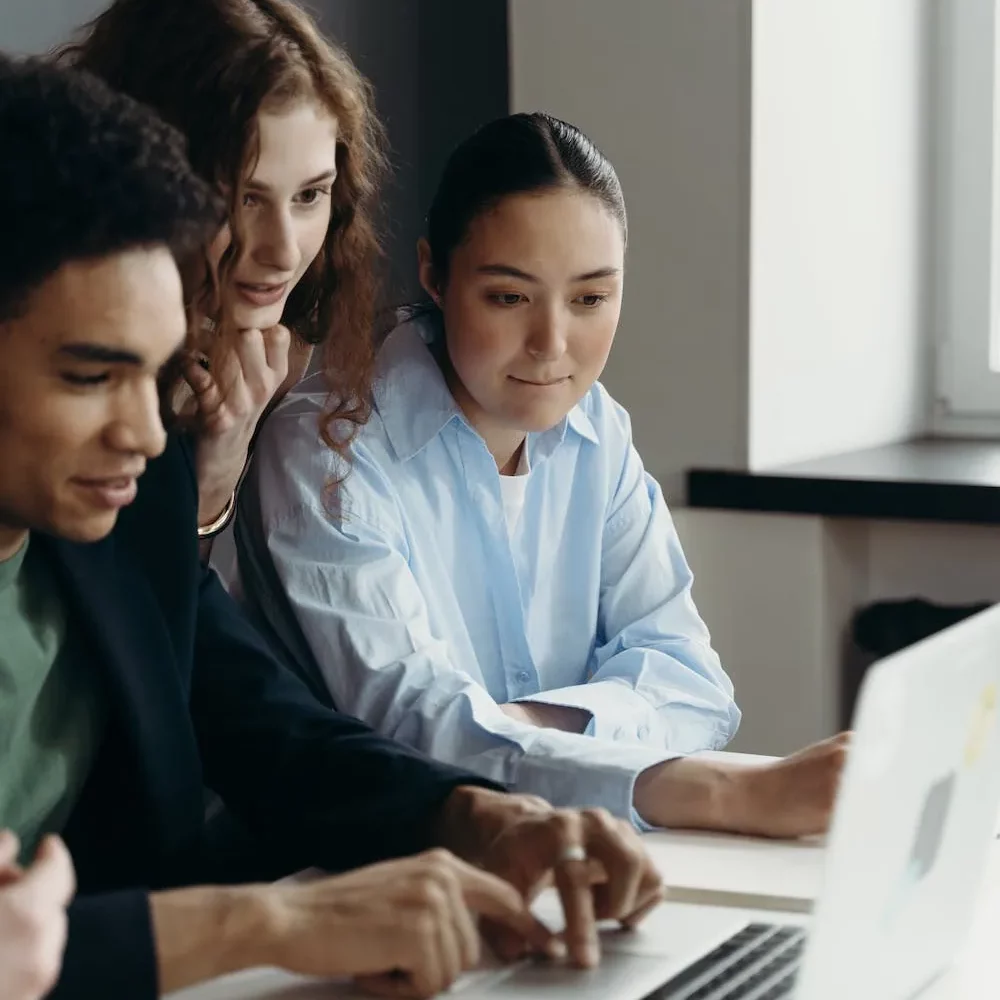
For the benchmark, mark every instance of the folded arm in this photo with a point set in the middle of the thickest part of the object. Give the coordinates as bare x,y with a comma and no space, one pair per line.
655,678
366,622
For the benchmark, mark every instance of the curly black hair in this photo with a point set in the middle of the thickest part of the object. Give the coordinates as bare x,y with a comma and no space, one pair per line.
86,172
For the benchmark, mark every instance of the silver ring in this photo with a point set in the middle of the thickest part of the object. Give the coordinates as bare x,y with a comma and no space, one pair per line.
572,853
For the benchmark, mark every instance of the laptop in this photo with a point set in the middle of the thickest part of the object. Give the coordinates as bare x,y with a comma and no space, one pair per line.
913,827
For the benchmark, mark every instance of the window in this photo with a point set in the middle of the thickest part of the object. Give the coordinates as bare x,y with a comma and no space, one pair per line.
966,248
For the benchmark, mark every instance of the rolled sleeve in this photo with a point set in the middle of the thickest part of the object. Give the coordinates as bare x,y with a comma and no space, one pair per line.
655,680
655,676
110,950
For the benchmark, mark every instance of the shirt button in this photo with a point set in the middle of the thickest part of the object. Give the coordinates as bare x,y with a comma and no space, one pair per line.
524,677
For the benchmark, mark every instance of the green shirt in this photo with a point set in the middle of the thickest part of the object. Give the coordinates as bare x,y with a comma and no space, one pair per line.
51,710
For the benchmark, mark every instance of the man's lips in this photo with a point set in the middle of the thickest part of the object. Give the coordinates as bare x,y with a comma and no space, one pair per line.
112,492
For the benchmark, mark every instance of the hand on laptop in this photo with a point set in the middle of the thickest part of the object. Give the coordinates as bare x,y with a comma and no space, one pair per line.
400,928
792,797
599,865
32,917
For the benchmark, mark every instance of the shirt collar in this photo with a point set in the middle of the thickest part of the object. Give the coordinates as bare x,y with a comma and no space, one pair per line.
408,371
580,421
10,568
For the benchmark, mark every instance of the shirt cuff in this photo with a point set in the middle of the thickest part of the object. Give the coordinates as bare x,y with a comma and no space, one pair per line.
637,821
633,815
620,714
640,824
586,773
616,711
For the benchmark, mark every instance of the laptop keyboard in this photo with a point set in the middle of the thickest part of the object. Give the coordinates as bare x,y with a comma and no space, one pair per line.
757,963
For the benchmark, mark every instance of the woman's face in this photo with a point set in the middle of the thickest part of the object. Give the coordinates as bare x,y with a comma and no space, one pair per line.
531,306
284,211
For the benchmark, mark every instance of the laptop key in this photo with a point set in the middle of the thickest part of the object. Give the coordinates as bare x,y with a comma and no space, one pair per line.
715,959
759,960
777,970
781,990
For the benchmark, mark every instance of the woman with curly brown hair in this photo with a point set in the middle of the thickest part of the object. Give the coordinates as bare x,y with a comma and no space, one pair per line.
280,120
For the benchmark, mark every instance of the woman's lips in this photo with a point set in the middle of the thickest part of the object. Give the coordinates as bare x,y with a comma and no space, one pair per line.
540,383
261,295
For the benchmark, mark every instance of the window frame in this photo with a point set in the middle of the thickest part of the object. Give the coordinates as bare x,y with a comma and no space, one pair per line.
965,253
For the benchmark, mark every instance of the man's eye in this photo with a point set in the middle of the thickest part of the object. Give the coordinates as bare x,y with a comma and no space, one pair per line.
84,380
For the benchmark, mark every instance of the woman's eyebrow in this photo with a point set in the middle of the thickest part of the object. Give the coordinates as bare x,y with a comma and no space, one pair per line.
506,271
327,175
601,272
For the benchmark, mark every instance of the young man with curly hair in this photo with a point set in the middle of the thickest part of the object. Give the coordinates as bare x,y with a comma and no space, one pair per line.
129,681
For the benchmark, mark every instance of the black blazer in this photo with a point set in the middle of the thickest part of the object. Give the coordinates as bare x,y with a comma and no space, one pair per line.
196,699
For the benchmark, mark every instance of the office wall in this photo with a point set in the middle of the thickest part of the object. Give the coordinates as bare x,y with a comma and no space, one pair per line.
840,217
777,593
663,88
30,26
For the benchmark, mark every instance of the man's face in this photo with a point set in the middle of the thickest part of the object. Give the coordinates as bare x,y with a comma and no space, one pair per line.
79,409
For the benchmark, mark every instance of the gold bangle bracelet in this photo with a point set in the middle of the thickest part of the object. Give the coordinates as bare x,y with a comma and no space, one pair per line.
209,530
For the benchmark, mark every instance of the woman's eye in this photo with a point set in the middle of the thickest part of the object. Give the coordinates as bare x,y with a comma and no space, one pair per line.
592,300
249,200
311,196
507,298
84,380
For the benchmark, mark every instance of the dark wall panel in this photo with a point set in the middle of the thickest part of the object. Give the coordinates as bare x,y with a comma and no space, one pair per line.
439,68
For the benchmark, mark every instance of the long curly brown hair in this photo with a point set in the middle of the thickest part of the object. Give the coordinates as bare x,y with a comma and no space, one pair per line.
207,67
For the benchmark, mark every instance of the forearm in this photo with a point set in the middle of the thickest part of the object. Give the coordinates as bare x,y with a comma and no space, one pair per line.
212,503
791,797
546,716
216,507
472,818
209,931
702,794
686,793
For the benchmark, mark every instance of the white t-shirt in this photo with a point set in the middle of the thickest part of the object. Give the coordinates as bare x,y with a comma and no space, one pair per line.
512,489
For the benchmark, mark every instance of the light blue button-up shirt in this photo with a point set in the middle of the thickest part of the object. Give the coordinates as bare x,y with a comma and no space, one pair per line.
421,613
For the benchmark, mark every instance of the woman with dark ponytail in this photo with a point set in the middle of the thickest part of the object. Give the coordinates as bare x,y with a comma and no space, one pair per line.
497,581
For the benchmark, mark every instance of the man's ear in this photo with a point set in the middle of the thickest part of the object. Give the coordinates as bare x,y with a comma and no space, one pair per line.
427,271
